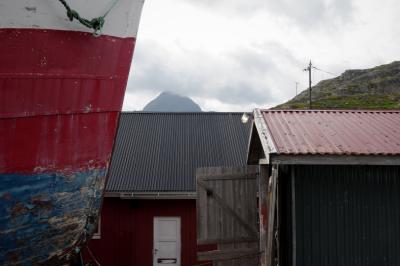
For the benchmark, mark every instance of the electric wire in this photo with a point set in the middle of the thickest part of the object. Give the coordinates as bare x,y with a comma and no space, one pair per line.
316,68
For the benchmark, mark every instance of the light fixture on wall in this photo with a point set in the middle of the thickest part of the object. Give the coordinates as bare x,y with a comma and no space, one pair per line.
245,118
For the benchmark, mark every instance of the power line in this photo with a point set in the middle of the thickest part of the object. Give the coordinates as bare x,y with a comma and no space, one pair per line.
316,68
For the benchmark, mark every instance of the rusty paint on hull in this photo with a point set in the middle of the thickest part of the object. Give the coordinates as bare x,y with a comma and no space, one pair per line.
43,215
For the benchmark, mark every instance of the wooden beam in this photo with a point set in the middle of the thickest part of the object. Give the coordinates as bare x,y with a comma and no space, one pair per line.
201,208
271,216
226,171
263,211
263,133
111,194
226,240
336,159
227,176
151,195
226,254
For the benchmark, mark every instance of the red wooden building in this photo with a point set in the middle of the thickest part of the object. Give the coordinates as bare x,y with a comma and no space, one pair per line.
149,210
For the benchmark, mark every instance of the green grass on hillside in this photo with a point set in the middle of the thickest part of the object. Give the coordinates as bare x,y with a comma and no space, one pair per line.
357,101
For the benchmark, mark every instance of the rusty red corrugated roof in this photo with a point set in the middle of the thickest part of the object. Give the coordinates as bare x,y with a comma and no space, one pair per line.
336,132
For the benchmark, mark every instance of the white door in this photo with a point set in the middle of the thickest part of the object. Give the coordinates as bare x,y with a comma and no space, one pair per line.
167,241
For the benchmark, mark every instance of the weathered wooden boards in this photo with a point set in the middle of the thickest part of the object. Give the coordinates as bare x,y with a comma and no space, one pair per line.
272,230
227,214
263,210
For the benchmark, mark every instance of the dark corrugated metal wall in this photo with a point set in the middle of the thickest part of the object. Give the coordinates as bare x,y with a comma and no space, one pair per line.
285,215
345,215
127,231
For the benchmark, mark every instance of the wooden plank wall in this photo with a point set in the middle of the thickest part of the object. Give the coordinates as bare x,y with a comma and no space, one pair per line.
227,214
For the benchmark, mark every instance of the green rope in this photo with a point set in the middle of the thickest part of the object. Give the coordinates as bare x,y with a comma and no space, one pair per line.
96,23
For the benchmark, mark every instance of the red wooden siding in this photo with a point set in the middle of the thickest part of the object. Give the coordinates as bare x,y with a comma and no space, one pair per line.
127,231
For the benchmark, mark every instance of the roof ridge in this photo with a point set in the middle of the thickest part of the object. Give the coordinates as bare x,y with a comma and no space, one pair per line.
330,111
183,113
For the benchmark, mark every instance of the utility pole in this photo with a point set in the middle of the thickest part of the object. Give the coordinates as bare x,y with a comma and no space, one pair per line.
296,87
310,66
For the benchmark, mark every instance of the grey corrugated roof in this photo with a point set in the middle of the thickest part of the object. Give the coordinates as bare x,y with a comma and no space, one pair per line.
161,151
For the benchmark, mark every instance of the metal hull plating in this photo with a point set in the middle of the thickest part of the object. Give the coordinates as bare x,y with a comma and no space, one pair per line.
43,208
52,174
61,91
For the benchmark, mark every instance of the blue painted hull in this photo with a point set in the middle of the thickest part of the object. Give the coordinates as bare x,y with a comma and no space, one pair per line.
45,215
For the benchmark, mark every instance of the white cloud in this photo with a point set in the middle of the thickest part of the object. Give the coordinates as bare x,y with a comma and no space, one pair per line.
137,100
209,104
231,55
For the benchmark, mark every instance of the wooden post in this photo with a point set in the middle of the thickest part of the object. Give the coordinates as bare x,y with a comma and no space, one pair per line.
263,211
272,193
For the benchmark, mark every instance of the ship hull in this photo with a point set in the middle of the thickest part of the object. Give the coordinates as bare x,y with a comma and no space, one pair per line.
43,223
61,91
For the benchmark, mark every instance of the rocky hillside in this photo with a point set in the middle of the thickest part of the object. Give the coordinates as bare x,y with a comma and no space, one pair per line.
171,102
374,88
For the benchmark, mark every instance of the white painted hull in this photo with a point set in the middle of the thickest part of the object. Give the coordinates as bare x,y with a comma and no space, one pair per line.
121,21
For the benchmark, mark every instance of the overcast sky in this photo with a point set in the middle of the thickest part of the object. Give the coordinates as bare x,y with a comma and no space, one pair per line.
235,55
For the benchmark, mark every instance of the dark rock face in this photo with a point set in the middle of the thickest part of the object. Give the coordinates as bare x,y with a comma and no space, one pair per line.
170,102
374,88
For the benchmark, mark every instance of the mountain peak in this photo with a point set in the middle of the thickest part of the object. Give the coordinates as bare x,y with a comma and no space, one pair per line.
168,101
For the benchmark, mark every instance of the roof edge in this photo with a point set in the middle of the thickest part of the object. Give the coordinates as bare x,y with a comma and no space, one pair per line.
264,134
185,113
307,159
152,195
332,110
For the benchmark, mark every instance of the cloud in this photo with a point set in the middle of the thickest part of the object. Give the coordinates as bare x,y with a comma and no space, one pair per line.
233,79
249,75
239,54
313,14
308,14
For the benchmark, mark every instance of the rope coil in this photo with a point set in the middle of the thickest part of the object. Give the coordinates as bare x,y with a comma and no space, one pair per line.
96,24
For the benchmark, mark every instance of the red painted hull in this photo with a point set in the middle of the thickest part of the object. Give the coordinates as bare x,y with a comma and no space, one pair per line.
56,142
53,72
60,97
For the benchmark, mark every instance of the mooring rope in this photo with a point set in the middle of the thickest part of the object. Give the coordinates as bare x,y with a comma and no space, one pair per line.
96,23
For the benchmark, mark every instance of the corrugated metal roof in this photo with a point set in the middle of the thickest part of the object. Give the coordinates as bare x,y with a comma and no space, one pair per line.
335,132
161,151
